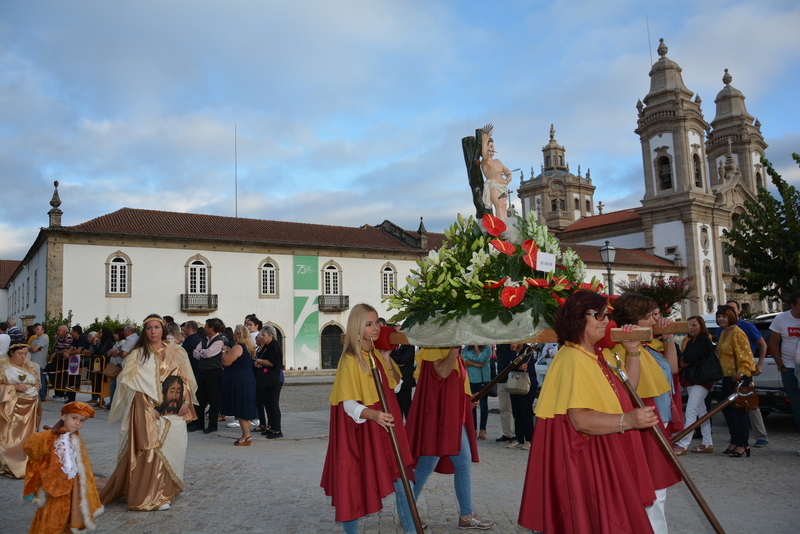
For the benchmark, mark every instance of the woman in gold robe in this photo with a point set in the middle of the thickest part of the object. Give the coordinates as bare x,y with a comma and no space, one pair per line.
154,399
20,408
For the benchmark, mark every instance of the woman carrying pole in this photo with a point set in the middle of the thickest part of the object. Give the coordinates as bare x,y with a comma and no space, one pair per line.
360,467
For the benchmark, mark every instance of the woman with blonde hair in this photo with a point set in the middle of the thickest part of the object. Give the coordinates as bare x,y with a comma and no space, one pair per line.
239,383
360,468
20,408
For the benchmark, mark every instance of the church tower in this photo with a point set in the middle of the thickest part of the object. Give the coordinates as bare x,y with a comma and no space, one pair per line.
735,145
558,196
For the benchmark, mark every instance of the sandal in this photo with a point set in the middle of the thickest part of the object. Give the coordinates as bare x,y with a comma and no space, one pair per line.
245,443
259,428
679,451
703,448
729,450
482,435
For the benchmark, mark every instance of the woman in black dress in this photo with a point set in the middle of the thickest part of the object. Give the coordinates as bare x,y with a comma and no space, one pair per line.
238,382
269,382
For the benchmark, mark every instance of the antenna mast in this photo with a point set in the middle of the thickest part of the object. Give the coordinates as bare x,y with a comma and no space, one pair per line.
649,43
235,174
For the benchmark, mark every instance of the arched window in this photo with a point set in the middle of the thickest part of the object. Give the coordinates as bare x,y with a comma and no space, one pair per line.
268,279
331,283
198,277
118,275
577,204
560,161
664,173
547,161
698,173
562,204
759,181
554,205
588,207
388,279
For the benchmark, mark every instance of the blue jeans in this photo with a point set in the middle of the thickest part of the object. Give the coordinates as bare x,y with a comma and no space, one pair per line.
790,385
475,387
462,479
403,511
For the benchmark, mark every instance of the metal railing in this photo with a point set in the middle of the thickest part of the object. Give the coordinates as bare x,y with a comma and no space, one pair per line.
198,302
334,302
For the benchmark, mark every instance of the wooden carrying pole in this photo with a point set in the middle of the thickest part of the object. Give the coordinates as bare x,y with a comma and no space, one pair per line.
711,413
398,456
670,452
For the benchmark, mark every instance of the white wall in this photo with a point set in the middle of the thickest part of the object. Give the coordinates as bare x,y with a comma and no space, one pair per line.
634,240
158,278
670,234
36,271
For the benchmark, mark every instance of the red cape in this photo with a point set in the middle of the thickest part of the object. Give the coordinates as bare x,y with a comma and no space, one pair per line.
662,471
360,468
581,483
434,422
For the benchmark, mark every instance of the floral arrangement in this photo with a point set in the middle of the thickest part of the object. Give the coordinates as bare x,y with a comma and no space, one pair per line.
668,293
488,269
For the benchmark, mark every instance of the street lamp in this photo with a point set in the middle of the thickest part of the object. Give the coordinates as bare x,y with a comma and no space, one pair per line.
608,254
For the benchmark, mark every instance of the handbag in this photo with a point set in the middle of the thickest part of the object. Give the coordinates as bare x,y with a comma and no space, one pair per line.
750,402
111,370
705,371
519,383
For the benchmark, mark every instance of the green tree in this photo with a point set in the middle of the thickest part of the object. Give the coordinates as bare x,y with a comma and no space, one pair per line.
765,240
667,292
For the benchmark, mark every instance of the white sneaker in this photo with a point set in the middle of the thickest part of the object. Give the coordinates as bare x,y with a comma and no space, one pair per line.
163,507
233,424
514,444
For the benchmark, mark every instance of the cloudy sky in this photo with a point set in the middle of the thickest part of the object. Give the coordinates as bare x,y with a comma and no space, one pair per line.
352,112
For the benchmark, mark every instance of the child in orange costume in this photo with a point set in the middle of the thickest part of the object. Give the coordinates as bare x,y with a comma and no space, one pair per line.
59,477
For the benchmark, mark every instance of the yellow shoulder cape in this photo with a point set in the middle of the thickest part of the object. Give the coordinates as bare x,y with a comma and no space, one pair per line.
652,381
575,380
352,383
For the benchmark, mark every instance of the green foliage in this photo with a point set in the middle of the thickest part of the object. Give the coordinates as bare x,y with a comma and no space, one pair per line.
765,240
113,324
667,292
51,324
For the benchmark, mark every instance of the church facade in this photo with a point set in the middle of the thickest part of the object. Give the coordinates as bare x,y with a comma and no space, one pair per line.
697,176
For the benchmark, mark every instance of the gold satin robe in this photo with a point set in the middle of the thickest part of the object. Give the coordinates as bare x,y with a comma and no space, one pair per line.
20,415
152,449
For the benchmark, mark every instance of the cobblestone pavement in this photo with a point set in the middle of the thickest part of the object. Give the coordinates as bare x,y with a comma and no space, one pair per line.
273,486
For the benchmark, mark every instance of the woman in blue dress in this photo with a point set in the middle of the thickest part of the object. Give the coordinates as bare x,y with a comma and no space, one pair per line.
238,382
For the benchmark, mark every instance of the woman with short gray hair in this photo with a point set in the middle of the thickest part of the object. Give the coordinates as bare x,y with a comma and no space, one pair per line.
269,381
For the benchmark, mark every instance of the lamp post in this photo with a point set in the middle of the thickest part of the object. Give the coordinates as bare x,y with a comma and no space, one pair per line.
608,254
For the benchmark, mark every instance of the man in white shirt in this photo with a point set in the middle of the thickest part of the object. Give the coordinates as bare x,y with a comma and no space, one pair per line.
5,339
783,347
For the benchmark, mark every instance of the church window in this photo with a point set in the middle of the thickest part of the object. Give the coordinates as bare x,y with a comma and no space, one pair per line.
726,259
577,204
268,278
331,280
547,161
698,173
118,275
588,206
554,205
759,181
560,161
562,204
388,277
664,173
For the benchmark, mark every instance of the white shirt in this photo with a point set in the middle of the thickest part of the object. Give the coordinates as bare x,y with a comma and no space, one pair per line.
5,342
788,327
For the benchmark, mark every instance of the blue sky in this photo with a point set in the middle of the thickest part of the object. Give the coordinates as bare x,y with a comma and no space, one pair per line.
352,112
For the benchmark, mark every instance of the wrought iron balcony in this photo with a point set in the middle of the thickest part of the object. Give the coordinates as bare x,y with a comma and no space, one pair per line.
334,303
198,302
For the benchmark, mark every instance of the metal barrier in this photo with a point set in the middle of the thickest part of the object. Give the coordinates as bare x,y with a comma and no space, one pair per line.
89,378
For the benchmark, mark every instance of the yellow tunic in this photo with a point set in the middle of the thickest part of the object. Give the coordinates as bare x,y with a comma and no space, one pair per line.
434,355
652,381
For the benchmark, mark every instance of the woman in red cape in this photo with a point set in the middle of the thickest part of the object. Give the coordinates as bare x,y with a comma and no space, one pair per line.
441,428
587,472
360,467
658,365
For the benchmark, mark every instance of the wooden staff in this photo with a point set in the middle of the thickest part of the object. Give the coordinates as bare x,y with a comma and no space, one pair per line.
711,413
398,456
670,452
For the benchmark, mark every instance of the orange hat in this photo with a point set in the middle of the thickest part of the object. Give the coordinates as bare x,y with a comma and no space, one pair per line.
80,408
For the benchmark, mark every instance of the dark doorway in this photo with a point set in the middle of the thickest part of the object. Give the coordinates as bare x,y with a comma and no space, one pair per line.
331,346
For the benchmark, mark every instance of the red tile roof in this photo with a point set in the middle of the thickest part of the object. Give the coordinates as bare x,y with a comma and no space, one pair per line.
7,268
602,220
151,223
626,256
